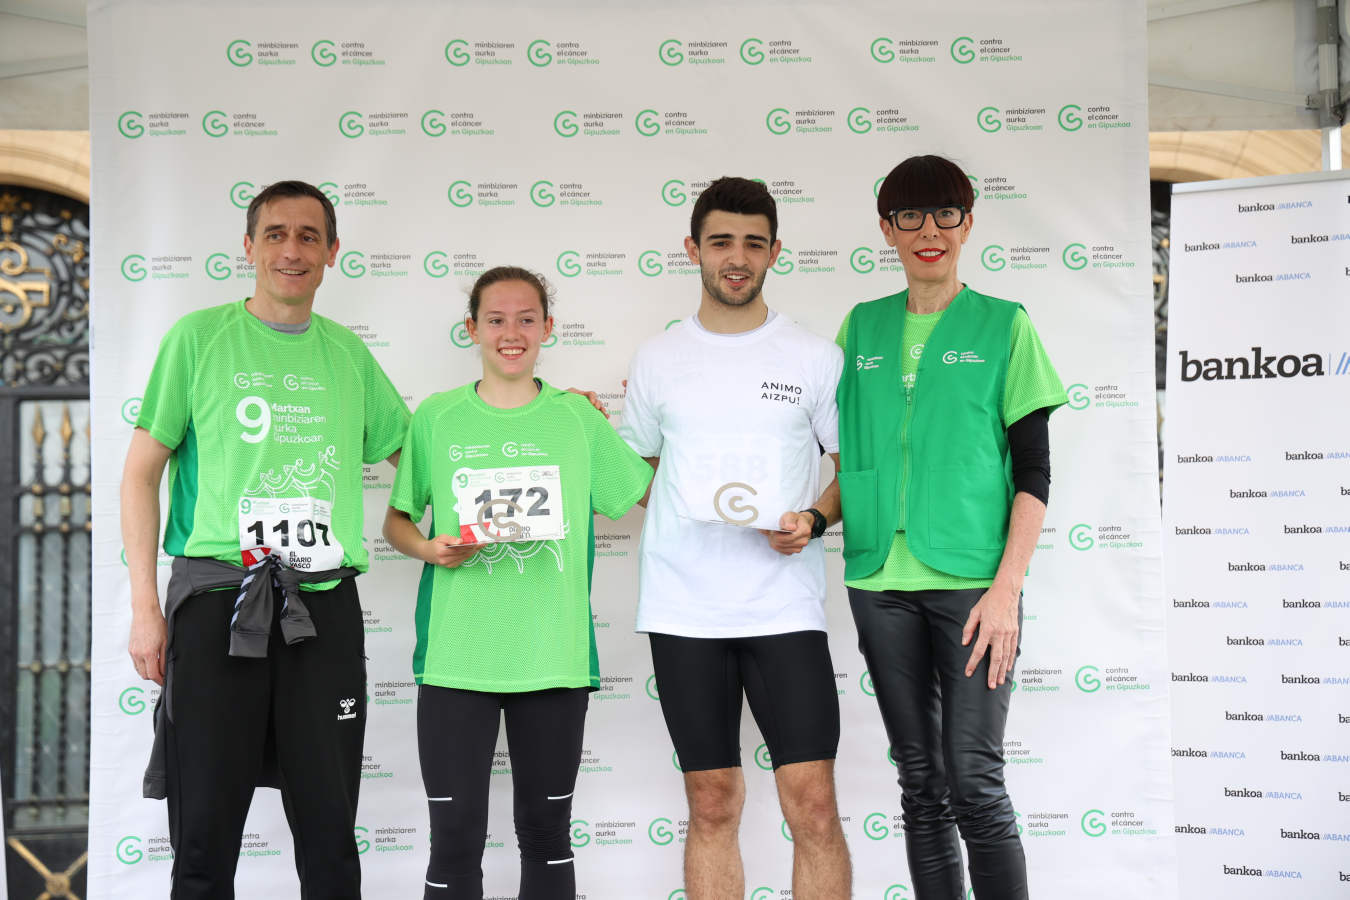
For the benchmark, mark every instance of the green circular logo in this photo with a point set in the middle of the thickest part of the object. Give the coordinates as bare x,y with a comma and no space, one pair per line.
330,190
434,264
653,693
896,892
672,192
1079,397
882,50
353,264
460,337
675,761
241,193
1073,257
649,263
671,52
541,193
647,123
1086,679
539,53
1080,537
565,123
778,121
460,193
239,53
860,260
350,125
552,339
1092,823
362,842
876,186
992,258
875,827
659,833
963,50
128,850
218,266
865,683
215,123
131,410
580,835
1069,119
569,264
322,53
762,758
130,125
457,52
132,270
672,323
786,832
890,758
678,894
988,119
974,185
784,265
762,893
432,123
860,120
752,52
132,701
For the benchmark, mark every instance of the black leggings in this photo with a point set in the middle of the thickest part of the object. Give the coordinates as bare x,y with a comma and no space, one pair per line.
946,733
456,735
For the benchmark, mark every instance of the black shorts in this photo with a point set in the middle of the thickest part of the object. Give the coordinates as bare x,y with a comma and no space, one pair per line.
788,679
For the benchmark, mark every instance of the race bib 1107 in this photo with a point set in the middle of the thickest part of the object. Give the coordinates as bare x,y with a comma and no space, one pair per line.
299,530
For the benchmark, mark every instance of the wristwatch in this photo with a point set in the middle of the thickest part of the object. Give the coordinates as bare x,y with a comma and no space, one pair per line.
819,524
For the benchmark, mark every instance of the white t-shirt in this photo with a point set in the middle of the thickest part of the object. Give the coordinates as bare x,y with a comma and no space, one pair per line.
730,410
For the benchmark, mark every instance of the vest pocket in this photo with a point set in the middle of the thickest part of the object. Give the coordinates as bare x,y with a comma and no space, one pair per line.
966,510
858,495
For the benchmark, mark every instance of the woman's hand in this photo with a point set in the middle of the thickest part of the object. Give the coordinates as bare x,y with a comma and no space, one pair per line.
448,550
995,617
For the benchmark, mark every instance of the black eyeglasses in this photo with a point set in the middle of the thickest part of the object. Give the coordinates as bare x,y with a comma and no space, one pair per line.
911,218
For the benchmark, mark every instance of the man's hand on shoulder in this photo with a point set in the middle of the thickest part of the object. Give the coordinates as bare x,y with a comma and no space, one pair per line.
593,397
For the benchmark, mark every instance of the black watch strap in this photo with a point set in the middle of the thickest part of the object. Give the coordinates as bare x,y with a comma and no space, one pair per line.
819,523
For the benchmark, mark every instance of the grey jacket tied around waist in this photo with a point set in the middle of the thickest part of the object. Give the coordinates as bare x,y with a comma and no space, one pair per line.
250,628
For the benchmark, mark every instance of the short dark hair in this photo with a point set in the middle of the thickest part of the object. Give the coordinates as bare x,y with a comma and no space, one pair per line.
734,195
292,189
925,181
507,273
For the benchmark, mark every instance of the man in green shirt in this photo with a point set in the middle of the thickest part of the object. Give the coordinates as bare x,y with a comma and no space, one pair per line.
264,413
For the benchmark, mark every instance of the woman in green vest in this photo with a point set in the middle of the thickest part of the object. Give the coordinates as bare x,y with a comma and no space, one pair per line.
945,473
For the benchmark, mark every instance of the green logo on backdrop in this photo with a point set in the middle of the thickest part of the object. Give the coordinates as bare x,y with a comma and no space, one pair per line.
974,185
330,190
131,410
963,50
784,265
581,836
241,193
132,701
132,270
875,826
565,123
752,52
890,757
350,124
539,53
1069,119
434,264
362,842
988,119
130,125
215,123
675,761
671,52
128,850
459,193
569,264
865,682
457,52
459,336
992,258
1080,537
541,193
678,894
239,53
785,831
896,892
653,693
659,833
432,123
218,266
882,51
860,260
1073,257
1092,823
672,192
762,758
647,123
876,186
762,893
1086,679
1079,397
777,121
353,264
860,120
649,263
322,53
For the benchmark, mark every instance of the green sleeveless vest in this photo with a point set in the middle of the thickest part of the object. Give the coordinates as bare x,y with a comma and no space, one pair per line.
937,467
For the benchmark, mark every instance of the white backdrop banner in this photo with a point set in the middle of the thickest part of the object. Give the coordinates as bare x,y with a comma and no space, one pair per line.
1257,516
574,141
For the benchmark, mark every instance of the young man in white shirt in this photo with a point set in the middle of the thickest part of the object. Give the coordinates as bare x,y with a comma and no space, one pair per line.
733,407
